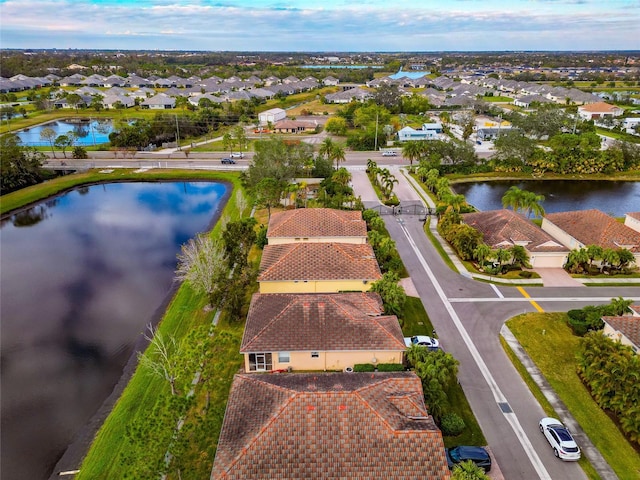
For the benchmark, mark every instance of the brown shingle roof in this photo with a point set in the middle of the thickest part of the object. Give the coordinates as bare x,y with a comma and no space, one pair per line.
325,322
592,227
629,326
505,227
330,426
317,222
318,261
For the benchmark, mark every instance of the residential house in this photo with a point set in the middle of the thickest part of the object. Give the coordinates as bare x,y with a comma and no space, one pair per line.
346,96
505,229
317,268
597,110
159,102
272,116
317,225
625,328
328,425
581,228
310,331
428,131
525,101
330,81
294,126
632,220
113,101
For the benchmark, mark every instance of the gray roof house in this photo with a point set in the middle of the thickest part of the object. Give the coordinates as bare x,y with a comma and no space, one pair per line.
159,102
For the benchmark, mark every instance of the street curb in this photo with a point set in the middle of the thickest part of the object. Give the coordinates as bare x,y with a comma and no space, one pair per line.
588,449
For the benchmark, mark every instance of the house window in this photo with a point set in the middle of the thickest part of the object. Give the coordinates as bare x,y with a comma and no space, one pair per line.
315,354
284,357
260,362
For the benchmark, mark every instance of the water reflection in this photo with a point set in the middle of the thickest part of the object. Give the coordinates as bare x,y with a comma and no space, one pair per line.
613,198
81,276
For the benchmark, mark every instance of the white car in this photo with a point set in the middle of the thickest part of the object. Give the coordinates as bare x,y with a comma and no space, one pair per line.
423,341
389,153
558,436
237,155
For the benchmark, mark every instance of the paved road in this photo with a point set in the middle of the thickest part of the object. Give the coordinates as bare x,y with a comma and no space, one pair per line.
467,316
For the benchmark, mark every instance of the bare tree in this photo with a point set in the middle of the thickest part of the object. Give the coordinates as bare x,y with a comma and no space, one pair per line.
49,135
161,358
202,264
241,202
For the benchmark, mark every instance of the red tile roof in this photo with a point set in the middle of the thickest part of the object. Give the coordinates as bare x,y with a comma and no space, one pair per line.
598,107
317,222
628,325
320,322
592,227
330,426
504,228
318,261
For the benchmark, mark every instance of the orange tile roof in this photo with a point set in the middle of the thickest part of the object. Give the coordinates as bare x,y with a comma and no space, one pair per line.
598,107
318,261
592,227
317,222
320,322
500,227
330,426
629,326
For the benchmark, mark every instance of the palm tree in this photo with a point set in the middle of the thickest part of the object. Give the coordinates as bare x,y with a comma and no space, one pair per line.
501,255
519,256
338,155
594,252
412,150
481,253
388,185
431,179
326,148
576,260
341,176
611,257
512,198
531,203
456,202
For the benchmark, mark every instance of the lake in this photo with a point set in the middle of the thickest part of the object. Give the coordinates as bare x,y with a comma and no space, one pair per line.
613,198
82,275
87,131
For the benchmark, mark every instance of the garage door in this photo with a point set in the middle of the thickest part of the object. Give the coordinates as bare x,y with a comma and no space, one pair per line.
547,262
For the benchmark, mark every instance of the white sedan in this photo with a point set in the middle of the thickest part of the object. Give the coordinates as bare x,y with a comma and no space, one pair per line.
558,436
423,341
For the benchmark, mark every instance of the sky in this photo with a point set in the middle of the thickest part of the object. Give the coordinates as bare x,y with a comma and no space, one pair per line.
322,25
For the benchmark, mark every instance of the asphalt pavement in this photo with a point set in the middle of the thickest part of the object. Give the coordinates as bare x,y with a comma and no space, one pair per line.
468,316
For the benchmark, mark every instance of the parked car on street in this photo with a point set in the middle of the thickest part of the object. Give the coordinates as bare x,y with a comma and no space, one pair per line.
477,455
560,439
228,160
423,341
237,155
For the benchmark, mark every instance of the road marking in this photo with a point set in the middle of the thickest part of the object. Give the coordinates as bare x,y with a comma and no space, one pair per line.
533,302
591,300
495,390
498,292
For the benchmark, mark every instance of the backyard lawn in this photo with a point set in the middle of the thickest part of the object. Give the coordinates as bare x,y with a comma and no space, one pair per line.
550,343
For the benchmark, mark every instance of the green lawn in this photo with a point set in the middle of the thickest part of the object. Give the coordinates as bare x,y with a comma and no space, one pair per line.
416,322
550,343
494,99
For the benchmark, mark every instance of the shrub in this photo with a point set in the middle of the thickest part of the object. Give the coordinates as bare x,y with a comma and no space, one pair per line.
261,237
364,367
525,274
452,425
390,367
79,152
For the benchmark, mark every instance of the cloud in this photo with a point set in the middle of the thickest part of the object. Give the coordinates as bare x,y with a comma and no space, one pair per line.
336,25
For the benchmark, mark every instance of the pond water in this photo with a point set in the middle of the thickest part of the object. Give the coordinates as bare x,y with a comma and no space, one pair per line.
82,275
613,198
87,131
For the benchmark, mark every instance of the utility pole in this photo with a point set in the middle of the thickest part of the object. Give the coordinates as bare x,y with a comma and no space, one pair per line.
376,139
177,133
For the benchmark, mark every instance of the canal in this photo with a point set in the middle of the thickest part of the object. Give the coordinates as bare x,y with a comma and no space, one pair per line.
81,276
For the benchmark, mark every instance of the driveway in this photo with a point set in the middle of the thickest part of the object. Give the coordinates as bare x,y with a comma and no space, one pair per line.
557,277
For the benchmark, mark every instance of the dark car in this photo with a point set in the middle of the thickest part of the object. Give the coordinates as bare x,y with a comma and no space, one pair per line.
477,455
228,160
